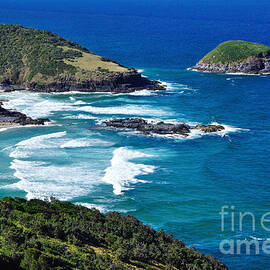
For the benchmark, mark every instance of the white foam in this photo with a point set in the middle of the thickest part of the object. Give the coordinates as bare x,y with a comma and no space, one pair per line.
228,129
25,148
247,74
229,73
38,141
3,129
126,110
19,100
258,238
144,92
194,134
46,108
80,102
33,104
167,85
77,143
68,93
36,106
29,147
172,87
122,173
26,126
105,208
141,71
95,206
18,153
80,116
42,180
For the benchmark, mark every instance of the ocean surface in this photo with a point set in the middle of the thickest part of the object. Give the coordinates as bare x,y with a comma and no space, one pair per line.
176,184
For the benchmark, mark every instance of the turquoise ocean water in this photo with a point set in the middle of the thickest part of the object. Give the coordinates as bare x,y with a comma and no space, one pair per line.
172,183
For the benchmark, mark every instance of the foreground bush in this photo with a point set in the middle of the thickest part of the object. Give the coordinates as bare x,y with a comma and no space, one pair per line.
59,235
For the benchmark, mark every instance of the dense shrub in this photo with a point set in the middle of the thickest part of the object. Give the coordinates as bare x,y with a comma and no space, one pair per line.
59,235
40,51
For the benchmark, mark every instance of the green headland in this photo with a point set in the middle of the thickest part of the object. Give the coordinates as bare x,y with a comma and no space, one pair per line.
59,235
234,51
42,60
236,56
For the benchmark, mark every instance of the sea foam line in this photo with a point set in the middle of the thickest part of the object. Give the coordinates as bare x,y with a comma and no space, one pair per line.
36,107
80,116
83,142
125,110
42,180
56,140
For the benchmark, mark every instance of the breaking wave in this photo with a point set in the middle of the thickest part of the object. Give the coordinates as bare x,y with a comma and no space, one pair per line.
122,173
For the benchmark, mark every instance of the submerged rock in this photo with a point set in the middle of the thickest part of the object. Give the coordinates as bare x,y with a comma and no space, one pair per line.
150,127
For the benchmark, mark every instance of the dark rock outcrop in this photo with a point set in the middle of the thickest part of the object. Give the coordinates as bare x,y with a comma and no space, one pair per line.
209,128
253,65
148,127
115,82
12,118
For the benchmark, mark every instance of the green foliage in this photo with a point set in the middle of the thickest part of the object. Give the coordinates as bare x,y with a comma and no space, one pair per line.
234,51
59,235
35,52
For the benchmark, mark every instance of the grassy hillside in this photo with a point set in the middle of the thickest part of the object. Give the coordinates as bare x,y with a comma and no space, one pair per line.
234,51
30,55
59,235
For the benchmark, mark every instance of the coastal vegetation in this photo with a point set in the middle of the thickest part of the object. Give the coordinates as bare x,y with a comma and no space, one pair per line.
37,55
58,235
236,56
234,51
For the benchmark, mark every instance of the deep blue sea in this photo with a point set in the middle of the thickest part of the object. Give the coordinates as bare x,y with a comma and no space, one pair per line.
176,184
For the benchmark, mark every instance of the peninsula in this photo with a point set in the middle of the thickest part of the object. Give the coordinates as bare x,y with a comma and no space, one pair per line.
60,235
42,61
236,56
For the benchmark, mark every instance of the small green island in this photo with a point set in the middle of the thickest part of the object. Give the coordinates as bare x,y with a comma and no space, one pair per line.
236,56
58,235
40,60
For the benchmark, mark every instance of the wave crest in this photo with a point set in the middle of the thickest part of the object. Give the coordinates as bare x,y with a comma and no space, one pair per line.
122,173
